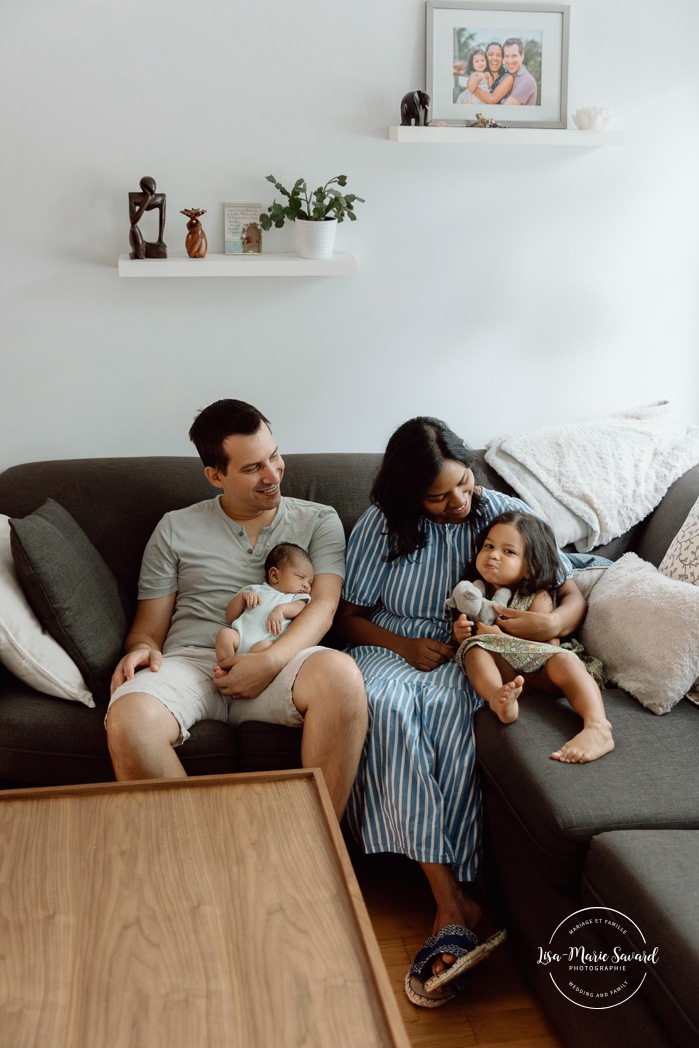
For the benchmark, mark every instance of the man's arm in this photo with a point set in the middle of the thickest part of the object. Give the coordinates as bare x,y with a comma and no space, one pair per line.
144,641
251,673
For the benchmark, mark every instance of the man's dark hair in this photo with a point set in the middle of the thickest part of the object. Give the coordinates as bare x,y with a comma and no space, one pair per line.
511,42
284,553
412,462
222,419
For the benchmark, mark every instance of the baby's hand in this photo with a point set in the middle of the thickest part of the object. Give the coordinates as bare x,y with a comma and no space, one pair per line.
462,629
275,621
482,628
252,600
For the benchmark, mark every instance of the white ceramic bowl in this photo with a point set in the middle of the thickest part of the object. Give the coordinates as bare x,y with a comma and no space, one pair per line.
593,118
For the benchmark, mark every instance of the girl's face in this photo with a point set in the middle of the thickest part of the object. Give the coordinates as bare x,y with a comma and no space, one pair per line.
494,58
502,559
479,62
448,499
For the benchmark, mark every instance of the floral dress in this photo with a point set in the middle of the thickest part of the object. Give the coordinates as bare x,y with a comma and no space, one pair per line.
528,656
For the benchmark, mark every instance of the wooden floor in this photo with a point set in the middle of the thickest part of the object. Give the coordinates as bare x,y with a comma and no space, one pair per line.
497,1009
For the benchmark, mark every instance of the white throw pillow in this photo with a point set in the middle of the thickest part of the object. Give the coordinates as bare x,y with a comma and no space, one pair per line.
645,629
681,562
25,648
586,578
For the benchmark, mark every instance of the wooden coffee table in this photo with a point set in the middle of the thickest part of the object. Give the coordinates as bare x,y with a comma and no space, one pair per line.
209,912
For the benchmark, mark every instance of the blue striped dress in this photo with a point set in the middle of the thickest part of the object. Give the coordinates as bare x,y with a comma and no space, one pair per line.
417,791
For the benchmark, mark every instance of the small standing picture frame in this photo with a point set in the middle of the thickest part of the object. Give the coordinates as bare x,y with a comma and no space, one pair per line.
507,61
235,218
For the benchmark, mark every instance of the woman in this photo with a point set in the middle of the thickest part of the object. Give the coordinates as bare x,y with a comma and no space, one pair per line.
502,80
417,791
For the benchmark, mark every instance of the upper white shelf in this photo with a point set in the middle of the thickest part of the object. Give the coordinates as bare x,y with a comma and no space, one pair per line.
510,136
250,265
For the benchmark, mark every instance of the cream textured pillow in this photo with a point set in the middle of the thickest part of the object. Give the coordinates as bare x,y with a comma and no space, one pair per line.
645,629
25,648
682,562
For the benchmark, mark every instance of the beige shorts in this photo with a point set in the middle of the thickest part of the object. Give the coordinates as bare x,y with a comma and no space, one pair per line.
184,684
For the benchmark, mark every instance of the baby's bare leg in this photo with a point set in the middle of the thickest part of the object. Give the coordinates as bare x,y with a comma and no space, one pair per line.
261,645
227,641
486,676
569,675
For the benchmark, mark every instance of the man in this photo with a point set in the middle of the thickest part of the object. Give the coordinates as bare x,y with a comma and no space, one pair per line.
195,560
524,90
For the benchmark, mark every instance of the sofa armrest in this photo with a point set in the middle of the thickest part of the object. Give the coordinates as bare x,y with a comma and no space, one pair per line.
661,526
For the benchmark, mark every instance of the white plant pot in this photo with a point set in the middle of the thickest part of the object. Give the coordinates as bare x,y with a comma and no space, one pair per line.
316,239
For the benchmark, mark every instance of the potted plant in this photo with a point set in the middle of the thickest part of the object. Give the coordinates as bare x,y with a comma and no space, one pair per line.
315,213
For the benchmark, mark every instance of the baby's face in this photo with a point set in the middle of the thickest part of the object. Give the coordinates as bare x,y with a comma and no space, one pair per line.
296,577
479,63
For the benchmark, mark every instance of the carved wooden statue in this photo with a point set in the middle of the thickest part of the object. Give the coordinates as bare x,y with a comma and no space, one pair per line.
415,109
195,243
146,200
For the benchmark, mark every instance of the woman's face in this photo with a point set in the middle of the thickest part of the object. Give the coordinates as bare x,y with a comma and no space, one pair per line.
448,499
479,63
494,54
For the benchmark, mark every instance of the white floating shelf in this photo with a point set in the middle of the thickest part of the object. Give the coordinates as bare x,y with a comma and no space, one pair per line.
506,136
250,265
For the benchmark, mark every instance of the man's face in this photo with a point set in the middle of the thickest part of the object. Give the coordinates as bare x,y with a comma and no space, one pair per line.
251,484
513,59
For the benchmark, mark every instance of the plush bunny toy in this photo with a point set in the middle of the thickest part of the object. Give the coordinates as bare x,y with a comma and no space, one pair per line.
469,597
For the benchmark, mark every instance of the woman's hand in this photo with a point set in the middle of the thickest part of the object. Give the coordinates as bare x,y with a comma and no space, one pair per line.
423,653
528,625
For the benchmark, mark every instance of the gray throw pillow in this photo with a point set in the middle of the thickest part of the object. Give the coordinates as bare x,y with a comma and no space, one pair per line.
71,591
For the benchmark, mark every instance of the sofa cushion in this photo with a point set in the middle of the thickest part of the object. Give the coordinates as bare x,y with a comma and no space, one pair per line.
649,876
651,779
25,647
71,590
645,629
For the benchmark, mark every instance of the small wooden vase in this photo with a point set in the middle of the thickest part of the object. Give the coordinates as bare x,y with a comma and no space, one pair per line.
196,237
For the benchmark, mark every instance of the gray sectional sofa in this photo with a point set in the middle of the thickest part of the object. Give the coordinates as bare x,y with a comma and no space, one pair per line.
620,833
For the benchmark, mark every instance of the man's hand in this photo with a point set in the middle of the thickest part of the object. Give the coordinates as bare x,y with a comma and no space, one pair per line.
135,660
245,676
424,653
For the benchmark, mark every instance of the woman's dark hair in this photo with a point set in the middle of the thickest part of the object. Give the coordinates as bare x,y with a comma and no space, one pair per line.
495,43
540,550
220,420
412,462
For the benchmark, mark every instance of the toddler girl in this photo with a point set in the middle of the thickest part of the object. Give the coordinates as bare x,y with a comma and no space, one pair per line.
476,64
519,552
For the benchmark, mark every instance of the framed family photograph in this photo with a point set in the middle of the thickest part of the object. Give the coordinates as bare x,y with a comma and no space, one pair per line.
507,61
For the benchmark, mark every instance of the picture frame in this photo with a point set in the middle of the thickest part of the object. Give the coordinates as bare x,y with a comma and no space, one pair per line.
235,218
456,30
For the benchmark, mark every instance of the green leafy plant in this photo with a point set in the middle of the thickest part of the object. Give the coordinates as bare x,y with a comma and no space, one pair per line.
323,203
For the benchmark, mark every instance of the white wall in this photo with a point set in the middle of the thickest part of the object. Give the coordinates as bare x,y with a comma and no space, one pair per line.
497,288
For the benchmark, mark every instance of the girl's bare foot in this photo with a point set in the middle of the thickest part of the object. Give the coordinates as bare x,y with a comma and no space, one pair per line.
591,743
504,701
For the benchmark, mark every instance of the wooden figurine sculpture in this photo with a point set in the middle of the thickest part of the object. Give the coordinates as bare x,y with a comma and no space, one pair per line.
251,235
146,200
196,237
415,109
